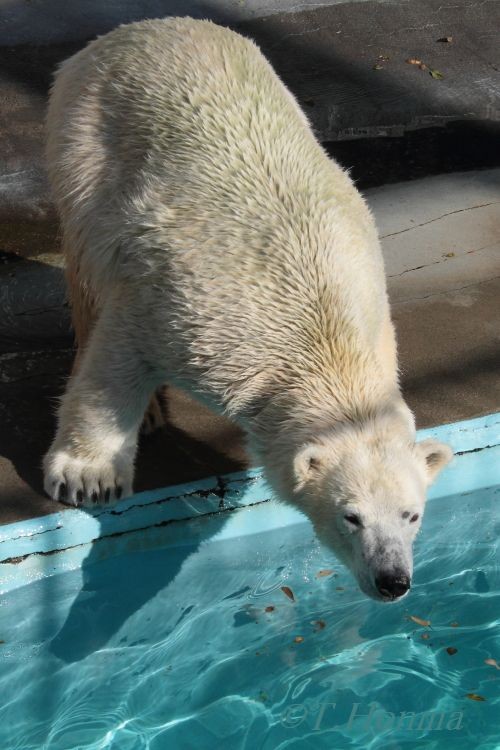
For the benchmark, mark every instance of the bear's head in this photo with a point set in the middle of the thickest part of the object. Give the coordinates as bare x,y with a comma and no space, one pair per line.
363,486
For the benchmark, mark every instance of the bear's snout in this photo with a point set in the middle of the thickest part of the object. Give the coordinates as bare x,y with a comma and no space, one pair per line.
392,585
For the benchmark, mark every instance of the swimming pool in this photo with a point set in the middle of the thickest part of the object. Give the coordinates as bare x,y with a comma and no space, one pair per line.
168,622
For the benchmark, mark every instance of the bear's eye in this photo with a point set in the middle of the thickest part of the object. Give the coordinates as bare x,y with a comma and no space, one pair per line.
355,520
414,518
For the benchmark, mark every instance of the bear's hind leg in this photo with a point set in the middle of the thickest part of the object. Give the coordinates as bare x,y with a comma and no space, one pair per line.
155,417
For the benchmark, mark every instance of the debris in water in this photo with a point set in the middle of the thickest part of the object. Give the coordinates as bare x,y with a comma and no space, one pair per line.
419,621
319,624
425,636
298,639
378,67
475,697
490,662
436,73
445,39
324,573
270,608
451,651
413,61
453,624
288,592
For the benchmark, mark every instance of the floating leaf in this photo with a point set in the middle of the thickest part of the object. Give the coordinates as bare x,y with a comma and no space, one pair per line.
425,636
446,39
436,73
378,67
419,621
263,696
323,573
475,697
298,639
319,624
422,66
413,61
288,592
454,624
384,58
270,608
451,651
492,663
339,588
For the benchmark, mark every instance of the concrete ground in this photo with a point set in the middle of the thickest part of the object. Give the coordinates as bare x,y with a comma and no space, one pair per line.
441,242
346,62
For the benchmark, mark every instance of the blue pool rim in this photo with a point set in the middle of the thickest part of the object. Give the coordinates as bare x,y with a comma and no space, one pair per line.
27,548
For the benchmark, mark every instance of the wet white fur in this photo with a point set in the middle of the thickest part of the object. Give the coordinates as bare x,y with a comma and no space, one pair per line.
228,254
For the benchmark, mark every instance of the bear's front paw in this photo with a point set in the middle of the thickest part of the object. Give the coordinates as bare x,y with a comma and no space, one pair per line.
82,481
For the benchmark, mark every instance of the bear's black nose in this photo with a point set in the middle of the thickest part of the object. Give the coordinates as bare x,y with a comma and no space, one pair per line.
391,585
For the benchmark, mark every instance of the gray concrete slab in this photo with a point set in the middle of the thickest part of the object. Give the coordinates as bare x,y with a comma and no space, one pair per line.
346,63
446,306
441,244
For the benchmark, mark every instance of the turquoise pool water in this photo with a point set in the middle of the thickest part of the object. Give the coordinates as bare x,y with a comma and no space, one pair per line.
159,637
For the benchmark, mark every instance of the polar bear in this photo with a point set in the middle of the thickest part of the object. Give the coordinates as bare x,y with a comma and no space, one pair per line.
211,243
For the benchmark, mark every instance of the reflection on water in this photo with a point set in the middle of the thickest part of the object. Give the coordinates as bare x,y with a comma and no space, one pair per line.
193,644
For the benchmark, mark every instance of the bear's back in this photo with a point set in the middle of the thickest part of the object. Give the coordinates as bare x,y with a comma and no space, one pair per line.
175,149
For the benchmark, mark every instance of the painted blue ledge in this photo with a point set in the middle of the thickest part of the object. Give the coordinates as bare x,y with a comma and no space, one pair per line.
475,442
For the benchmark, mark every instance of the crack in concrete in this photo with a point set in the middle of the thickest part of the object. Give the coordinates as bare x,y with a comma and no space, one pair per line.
444,260
417,268
438,218
298,33
448,291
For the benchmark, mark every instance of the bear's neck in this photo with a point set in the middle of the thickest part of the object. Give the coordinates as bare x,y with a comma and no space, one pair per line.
312,403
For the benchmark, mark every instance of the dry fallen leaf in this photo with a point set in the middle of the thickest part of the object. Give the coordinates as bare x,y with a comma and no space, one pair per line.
298,639
475,697
288,592
414,61
492,663
419,621
319,624
436,73
451,651
270,608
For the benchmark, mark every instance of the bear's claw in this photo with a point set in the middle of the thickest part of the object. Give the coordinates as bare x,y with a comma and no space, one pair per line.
84,482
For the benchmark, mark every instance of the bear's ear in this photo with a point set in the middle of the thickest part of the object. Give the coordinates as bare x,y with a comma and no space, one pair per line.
436,455
309,462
